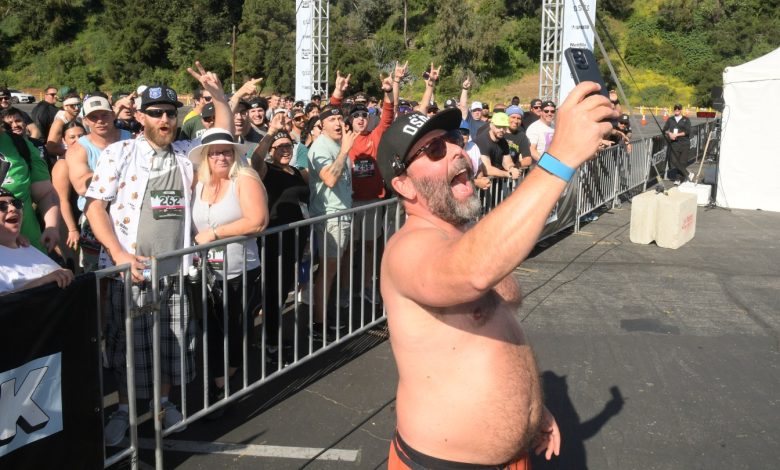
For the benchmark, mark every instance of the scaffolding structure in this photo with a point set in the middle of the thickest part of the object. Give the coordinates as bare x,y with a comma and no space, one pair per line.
320,41
551,49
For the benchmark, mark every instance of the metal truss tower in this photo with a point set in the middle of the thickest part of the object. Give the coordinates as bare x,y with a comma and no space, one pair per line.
551,52
320,39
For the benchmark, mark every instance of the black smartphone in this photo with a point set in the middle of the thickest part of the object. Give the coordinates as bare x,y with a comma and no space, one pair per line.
584,68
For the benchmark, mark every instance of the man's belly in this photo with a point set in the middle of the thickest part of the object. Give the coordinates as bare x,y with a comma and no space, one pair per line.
468,396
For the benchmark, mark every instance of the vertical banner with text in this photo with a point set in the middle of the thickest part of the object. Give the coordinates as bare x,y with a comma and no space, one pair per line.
576,33
303,49
49,378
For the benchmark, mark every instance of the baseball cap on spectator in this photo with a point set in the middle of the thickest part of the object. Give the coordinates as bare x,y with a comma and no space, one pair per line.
277,111
357,108
95,103
329,111
514,109
298,104
464,130
536,102
500,120
241,106
548,103
208,111
624,118
678,106
476,105
281,134
360,98
432,108
372,99
159,94
5,93
450,103
404,107
255,103
211,137
309,106
315,97
404,133
295,112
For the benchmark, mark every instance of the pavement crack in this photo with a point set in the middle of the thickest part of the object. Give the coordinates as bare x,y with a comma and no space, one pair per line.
327,398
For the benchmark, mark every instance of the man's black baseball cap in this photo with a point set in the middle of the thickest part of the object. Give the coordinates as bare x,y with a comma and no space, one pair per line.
403,133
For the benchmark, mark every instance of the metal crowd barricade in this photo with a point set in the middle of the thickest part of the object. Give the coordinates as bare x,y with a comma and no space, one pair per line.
612,173
377,221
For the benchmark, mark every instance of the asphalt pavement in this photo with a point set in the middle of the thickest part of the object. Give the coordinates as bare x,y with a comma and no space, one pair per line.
651,358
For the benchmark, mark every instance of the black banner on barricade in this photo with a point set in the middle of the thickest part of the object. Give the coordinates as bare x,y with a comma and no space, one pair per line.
564,213
49,384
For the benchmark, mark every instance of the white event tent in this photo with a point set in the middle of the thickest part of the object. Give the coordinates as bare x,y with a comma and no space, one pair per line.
749,170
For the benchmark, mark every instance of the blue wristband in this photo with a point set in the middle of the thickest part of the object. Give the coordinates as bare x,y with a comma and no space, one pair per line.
554,166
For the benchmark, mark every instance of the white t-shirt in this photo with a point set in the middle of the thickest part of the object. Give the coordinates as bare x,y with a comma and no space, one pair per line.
18,266
474,154
539,135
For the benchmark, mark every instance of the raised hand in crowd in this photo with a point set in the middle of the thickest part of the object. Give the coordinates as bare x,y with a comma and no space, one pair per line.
463,102
249,88
209,81
400,71
126,102
278,122
341,85
430,84
347,140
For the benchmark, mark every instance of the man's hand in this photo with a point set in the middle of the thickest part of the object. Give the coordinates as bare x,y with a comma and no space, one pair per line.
433,76
580,124
136,264
347,139
341,84
387,84
126,102
549,438
250,87
208,80
482,182
514,173
466,84
277,123
50,237
400,71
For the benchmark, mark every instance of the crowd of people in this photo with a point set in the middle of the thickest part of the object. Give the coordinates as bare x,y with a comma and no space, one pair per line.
116,180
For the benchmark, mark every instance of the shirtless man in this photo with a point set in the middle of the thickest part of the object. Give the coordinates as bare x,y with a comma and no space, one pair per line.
468,389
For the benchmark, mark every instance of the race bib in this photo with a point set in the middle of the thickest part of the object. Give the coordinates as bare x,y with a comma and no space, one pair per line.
216,258
167,204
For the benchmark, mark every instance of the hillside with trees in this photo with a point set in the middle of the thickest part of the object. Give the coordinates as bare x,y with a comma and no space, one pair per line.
673,49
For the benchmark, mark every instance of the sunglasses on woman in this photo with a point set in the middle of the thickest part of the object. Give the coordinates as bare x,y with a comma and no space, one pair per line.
436,149
17,203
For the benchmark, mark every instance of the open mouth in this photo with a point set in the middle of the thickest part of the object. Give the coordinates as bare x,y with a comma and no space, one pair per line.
461,183
12,219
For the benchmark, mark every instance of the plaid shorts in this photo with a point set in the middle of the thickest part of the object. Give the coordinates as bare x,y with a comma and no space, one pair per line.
177,338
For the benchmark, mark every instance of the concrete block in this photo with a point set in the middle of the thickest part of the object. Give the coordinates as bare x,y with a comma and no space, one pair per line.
702,191
675,219
643,210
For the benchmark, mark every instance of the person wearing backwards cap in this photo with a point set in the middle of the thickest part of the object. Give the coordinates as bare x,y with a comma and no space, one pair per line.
148,182
81,158
452,302
71,105
330,185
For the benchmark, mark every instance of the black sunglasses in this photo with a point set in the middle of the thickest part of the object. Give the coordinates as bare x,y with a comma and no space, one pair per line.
360,114
17,203
548,111
282,147
436,149
158,113
207,98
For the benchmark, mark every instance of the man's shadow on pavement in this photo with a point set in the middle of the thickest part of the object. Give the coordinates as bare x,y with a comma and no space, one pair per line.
574,432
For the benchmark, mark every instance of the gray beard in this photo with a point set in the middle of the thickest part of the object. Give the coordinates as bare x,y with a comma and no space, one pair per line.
443,204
